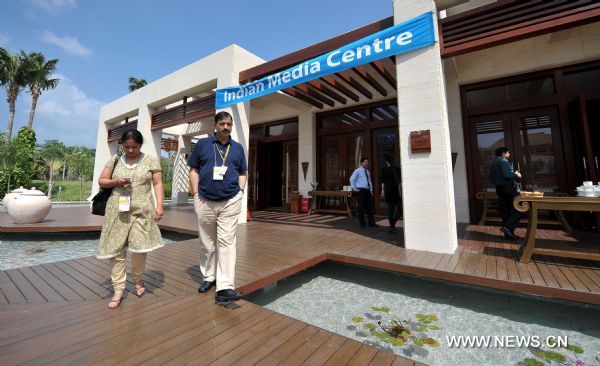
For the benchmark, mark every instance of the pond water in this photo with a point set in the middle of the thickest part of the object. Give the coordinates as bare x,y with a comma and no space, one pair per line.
342,298
28,249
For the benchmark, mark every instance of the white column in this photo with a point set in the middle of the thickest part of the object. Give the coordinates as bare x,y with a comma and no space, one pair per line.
427,183
180,183
104,151
307,141
240,133
152,139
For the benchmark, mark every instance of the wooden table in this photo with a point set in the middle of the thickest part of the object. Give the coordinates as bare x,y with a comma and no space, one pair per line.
533,204
345,198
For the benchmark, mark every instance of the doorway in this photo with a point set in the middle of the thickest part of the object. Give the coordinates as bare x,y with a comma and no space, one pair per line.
273,165
533,136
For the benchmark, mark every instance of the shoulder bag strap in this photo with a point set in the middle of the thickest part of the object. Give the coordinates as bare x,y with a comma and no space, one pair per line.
115,165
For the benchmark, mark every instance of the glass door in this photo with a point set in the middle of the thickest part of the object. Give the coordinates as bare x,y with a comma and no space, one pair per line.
252,193
340,156
290,172
535,150
385,142
534,139
331,173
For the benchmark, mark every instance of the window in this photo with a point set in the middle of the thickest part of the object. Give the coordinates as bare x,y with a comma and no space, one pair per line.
582,80
284,129
510,92
383,113
346,119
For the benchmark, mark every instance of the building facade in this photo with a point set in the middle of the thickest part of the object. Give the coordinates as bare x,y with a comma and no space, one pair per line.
521,74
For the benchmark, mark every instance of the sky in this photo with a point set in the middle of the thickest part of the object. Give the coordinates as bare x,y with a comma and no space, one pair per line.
100,44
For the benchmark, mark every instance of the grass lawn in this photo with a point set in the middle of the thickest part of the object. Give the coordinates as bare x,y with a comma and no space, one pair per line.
70,190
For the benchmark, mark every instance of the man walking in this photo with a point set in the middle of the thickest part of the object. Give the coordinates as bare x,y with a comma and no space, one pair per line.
363,186
218,176
504,178
390,191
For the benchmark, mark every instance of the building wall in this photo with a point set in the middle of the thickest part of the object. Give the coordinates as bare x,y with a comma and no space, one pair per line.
566,47
219,69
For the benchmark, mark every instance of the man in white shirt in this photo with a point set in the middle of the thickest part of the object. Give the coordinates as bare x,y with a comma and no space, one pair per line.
362,184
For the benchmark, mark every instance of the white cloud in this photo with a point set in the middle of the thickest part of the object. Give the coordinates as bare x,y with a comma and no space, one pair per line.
52,7
70,45
4,40
65,113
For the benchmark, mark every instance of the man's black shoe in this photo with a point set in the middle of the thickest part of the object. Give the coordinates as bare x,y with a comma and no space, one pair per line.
393,230
228,295
205,286
373,225
507,233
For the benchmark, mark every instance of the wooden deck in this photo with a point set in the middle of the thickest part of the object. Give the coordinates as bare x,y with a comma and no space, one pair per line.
55,313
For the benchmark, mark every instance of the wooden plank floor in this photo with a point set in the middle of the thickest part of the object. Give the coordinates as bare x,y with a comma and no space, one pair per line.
277,244
55,313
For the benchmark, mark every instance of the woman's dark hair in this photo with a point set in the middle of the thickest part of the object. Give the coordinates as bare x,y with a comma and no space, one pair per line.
501,150
134,135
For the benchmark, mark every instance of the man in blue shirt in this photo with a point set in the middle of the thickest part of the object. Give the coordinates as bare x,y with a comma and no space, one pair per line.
502,175
362,184
218,177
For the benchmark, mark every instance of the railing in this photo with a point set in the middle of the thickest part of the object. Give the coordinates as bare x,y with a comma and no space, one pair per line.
184,113
114,134
507,21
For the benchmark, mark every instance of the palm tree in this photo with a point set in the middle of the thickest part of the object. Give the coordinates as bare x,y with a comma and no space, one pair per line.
82,165
53,154
38,79
13,76
136,83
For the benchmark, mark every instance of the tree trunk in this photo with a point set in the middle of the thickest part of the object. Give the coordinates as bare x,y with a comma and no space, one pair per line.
34,99
80,189
50,184
11,118
64,170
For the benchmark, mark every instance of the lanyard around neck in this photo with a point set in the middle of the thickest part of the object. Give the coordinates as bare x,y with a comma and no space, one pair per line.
223,157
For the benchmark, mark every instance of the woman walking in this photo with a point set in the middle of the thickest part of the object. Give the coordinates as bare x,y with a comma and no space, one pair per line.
130,221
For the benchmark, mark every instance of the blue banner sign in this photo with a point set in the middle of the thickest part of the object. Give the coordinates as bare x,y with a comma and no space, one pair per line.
401,38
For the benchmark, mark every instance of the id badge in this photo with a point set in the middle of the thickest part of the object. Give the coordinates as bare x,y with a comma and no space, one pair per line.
217,173
124,203
223,170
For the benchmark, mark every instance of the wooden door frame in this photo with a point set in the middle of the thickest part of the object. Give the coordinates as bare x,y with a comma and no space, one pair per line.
557,141
376,171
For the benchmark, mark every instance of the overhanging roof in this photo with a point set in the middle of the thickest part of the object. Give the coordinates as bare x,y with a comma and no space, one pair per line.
487,26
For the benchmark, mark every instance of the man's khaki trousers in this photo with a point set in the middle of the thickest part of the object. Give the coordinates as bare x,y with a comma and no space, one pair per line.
217,223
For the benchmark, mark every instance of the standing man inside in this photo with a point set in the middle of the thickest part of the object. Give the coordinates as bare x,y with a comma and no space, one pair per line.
501,173
363,186
390,191
218,177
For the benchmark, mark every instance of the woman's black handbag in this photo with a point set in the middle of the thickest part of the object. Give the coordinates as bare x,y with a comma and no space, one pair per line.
100,199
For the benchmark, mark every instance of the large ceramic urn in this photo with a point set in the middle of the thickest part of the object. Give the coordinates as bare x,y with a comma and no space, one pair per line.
9,196
29,207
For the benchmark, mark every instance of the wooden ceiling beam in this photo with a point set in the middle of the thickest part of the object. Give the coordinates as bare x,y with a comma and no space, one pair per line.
305,98
355,84
362,72
320,86
334,83
313,94
379,67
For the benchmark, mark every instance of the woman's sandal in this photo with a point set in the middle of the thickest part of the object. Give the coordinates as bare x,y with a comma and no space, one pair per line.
113,301
140,290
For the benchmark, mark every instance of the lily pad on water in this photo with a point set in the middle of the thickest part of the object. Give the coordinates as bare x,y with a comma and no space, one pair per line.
550,356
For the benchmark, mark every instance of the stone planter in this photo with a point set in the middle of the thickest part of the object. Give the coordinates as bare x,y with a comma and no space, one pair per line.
29,207
9,196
